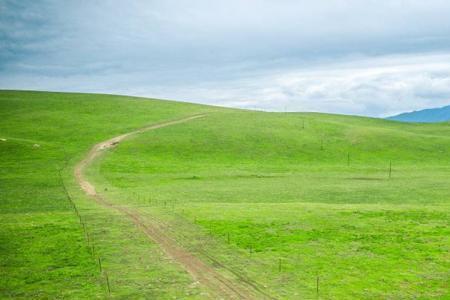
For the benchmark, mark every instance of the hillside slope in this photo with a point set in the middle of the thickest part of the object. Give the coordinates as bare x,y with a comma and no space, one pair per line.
284,198
298,205
431,115
47,251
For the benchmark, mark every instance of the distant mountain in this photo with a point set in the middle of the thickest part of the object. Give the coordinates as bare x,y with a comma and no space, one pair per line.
431,115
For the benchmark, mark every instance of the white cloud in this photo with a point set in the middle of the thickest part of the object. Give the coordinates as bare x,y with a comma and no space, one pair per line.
378,87
345,56
374,87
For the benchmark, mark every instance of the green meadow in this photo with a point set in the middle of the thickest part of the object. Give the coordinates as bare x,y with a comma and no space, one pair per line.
45,252
300,205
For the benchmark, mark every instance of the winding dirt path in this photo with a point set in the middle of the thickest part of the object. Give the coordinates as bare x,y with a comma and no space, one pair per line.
221,287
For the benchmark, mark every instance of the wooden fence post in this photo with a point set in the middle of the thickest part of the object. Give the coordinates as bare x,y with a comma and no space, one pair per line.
100,264
390,169
107,283
317,285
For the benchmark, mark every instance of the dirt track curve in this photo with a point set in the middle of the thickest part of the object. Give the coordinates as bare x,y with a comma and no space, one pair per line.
216,283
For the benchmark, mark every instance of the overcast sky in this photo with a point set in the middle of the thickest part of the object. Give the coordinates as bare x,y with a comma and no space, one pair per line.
364,57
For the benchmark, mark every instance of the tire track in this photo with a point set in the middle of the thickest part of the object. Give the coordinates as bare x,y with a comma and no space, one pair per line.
219,285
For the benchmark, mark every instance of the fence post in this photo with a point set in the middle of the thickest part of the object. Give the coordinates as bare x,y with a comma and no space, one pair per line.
107,283
317,285
390,169
100,264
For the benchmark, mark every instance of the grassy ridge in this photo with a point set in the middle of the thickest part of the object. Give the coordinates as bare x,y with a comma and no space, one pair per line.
311,190
280,199
44,253
256,158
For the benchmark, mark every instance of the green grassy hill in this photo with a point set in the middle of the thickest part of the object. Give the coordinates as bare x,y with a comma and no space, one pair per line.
44,250
283,200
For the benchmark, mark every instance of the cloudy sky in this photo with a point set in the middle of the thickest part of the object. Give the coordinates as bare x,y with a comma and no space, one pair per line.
364,57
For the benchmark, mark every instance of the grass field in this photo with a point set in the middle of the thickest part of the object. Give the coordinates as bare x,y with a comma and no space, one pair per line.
44,250
302,205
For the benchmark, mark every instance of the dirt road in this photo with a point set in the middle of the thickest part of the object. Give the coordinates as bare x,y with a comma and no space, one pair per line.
216,283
